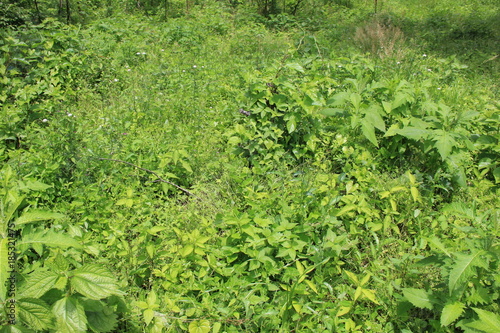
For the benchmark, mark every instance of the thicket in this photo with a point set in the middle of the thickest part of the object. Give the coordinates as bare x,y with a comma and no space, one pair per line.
261,166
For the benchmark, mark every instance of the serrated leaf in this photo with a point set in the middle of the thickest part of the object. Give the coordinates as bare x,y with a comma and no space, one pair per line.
444,143
35,313
148,314
95,282
355,100
436,243
38,283
37,215
368,131
463,269
151,298
451,312
50,238
186,250
488,322
373,116
101,321
418,297
15,329
199,326
70,315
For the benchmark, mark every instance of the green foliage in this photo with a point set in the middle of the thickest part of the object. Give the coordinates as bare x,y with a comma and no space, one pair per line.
208,169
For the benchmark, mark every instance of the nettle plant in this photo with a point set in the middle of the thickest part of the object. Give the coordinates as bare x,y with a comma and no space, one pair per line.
466,295
278,123
51,288
397,120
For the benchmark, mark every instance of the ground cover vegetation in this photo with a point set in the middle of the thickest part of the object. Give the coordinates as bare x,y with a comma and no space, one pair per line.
249,166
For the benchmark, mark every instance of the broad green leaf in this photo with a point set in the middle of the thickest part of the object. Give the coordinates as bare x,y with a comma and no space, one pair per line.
70,315
38,283
295,66
311,285
36,313
343,310
331,112
338,99
216,328
148,314
151,299
463,269
451,312
95,282
418,297
412,132
436,243
300,267
15,329
291,125
186,250
35,185
488,322
13,206
370,294
365,279
368,131
101,321
444,143
35,216
352,277
199,326
345,209
374,118
355,100
50,238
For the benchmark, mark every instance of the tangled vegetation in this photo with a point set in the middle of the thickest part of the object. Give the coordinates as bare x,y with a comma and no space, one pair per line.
262,166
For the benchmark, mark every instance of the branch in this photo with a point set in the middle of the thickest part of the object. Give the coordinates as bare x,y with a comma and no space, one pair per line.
154,173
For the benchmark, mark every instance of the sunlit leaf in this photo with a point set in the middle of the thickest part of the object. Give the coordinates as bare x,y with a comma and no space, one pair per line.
451,312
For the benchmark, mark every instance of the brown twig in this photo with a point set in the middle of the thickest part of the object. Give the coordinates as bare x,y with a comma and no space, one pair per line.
154,173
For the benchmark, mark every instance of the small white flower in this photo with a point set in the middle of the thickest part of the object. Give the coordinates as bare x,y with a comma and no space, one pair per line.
183,70
70,115
340,66
194,66
128,70
138,53
143,53
116,80
439,88
44,120
429,70
398,62
424,55
202,66
162,50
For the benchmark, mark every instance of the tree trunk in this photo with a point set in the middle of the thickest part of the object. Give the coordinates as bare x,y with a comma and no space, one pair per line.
37,10
68,12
